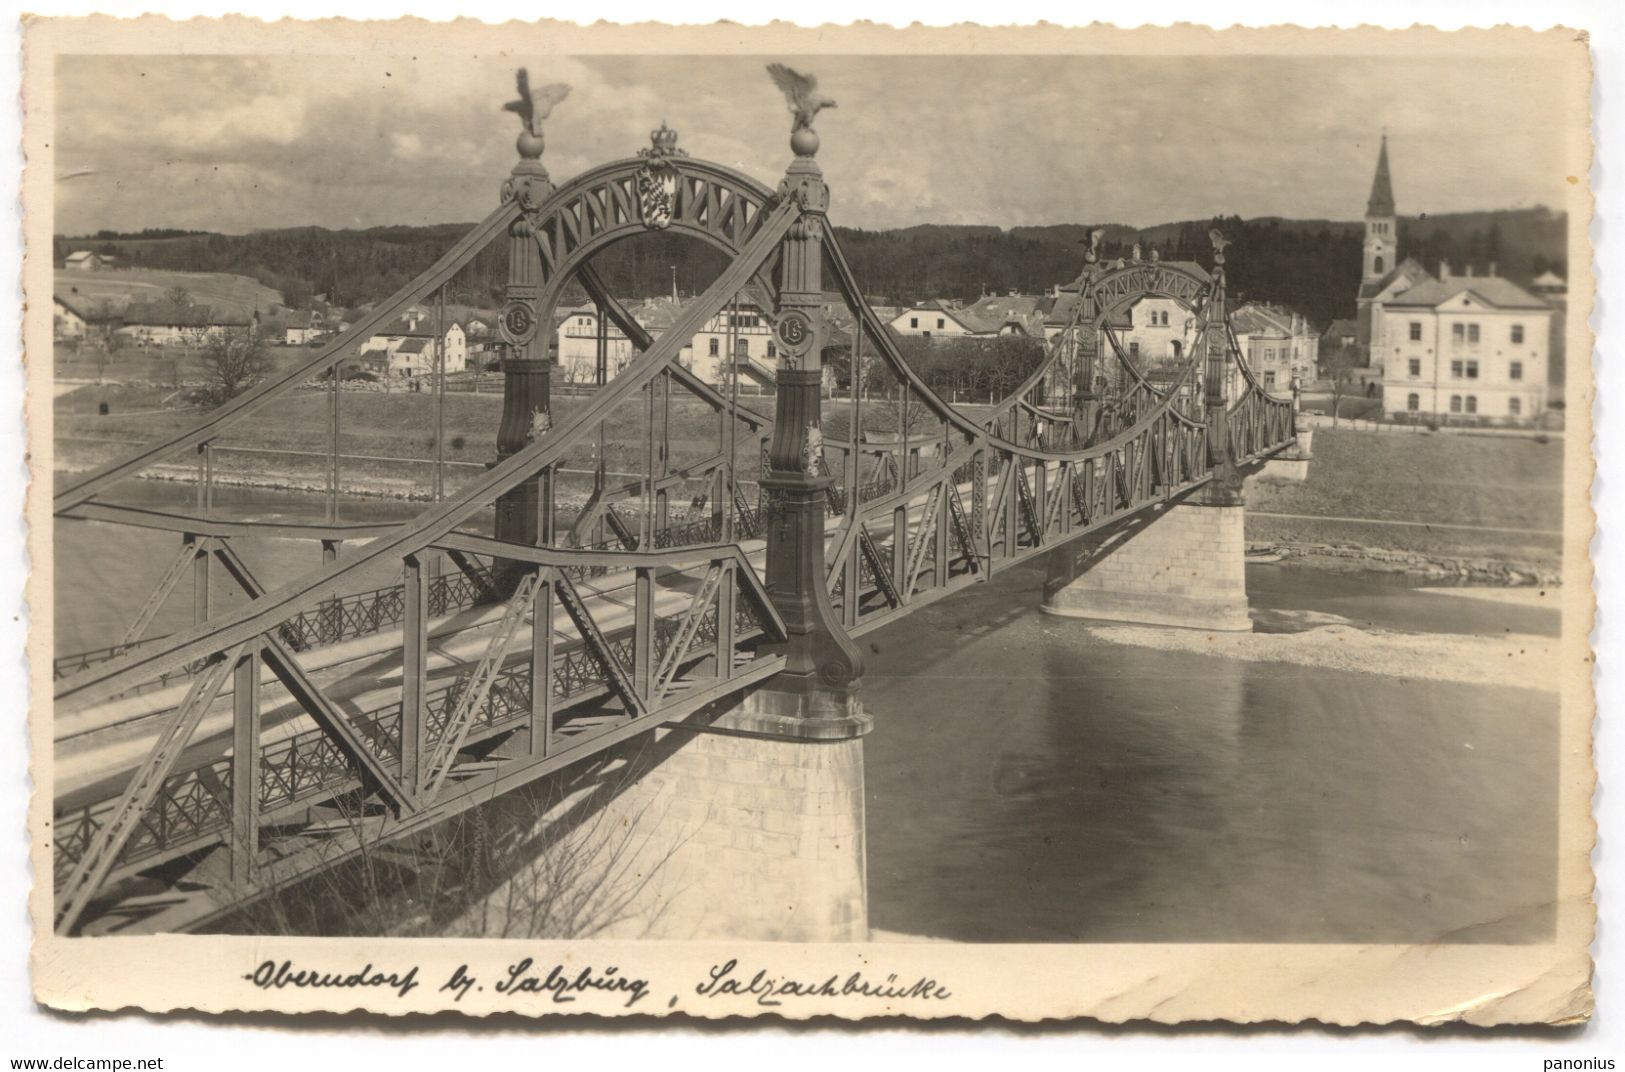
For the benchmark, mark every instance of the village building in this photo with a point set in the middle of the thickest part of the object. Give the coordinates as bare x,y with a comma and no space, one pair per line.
985,319
164,323
1340,333
74,318
1277,345
738,338
405,348
577,335
84,260
1464,347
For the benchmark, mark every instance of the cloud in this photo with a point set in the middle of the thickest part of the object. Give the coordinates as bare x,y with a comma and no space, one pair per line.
236,143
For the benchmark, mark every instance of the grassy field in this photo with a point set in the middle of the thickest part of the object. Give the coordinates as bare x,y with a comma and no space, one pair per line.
123,285
1481,483
395,426
159,365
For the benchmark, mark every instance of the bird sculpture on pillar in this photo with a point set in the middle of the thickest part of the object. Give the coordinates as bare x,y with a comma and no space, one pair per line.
801,94
533,106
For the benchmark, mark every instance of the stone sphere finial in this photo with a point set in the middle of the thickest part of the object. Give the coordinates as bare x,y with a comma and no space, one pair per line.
1091,253
529,145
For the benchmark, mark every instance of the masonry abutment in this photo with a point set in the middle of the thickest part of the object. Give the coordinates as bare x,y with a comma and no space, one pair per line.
744,823
1186,568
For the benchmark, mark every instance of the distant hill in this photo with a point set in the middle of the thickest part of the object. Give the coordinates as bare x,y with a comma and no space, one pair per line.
1311,265
219,290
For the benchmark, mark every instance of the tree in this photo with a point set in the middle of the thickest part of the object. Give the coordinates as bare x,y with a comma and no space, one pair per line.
105,320
233,361
178,295
1337,364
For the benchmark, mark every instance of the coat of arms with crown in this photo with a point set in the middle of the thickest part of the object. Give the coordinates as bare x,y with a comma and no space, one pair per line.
657,179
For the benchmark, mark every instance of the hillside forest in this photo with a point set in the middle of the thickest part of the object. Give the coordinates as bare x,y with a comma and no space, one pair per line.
1312,266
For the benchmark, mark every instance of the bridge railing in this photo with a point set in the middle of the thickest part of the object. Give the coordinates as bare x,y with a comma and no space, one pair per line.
1259,422
599,658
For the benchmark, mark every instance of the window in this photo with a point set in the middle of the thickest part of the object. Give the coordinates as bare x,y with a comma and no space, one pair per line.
1455,369
1515,370
1416,331
1134,348
1269,353
772,351
940,324
1376,265
1472,403
1472,370
1413,402
1455,403
1415,368
1458,332
1472,332
913,321
1269,378
716,346
1514,407
1517,333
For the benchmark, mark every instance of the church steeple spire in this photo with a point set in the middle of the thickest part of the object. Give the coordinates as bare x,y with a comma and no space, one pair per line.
1381,202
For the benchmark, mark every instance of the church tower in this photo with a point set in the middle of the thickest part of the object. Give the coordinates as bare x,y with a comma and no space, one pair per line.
1381,225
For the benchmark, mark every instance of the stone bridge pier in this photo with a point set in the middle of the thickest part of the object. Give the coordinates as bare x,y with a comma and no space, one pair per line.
741,823
1184,565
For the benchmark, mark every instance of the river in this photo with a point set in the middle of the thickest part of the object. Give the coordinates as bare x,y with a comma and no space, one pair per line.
1035,779
1029,781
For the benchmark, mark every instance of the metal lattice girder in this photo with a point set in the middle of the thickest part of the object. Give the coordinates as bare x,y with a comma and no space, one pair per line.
877,565
619,679
967,544
477,686
1028,510
617,525
748,526
685,632
928,526
171,576
338,726
88,874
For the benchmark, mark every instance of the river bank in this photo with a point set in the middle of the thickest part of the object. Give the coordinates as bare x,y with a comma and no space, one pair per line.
1355,558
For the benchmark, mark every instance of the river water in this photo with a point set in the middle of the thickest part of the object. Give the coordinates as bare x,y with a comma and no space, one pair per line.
1031,780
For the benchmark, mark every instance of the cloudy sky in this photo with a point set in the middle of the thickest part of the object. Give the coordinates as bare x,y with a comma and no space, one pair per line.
234,144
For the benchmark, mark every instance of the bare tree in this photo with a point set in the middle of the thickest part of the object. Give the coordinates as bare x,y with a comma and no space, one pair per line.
178,295
558,859
233,361
1338,365
106,320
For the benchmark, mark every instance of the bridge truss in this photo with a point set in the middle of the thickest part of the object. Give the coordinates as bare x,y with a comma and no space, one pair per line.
422,667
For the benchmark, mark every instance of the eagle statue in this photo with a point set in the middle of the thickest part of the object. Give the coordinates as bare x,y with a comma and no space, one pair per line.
535,105
800,93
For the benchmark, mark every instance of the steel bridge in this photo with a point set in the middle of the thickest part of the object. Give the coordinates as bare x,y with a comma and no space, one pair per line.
423,667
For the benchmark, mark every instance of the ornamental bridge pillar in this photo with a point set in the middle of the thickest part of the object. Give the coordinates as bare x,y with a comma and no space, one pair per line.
746,820
1185,564
523,515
